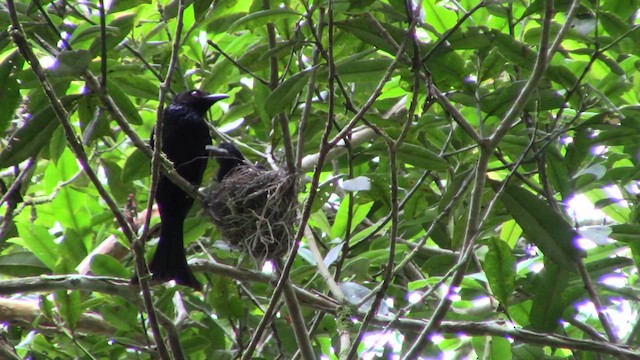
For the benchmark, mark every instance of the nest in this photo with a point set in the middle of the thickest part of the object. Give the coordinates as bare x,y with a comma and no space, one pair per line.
255,210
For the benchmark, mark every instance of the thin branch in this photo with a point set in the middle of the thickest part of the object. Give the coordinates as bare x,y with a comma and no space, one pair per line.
595,299
120,287
297,320
18,36
532,84
237,64
475,207
103,46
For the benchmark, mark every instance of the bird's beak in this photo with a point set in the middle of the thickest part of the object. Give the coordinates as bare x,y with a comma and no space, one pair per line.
214,98
217,151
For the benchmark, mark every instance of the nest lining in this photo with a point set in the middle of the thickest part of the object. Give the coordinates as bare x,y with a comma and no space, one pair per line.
255,210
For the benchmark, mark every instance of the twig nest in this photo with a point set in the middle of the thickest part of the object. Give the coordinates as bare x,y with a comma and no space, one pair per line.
255,210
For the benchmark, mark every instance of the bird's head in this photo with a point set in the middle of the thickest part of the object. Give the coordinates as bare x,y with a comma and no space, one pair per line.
228,156
227,152
198,100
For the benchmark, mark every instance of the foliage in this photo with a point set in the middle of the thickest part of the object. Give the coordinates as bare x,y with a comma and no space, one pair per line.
441,148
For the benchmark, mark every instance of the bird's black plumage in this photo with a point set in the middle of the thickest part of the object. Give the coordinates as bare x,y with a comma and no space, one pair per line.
228,157
185,135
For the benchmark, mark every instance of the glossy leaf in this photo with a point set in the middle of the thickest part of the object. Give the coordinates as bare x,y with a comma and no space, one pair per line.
543,226
500,267
34,135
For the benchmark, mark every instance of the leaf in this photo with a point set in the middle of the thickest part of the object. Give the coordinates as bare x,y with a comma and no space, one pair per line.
122,24
360,183
286,92
201,8
500,101
105,265
10,90
72,247
625,232
421,157
37,239
120,314
553,235
473,38
500,268
225,298
362,29
22,263
354,293
440,17
513,50
362,70
28,140
118,188
135,85
125,105
70,203
137,166
69,307
71,63
170,10
122,5
547,307
263,17
359,213
333,254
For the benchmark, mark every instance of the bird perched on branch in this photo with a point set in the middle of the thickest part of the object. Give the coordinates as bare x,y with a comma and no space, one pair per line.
185,135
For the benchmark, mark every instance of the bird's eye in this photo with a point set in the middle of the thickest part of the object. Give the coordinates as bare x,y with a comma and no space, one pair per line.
195,93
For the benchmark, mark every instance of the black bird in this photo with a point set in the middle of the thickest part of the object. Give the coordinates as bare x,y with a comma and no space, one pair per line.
185,135
229,157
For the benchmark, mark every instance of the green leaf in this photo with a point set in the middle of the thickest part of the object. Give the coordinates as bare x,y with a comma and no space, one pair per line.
500,268
625,232
494,347
71,63
360,211
123,24
120,314
558,173
22,263
37,239
286,92
365,31
72,247
263,17
201,8
612,24
472,38
225,298
547,307
118,188
34,135
137,166
10,90
421,157
121,5
440,17
362,70
135,85
69,307
105,265
513,50
553,235
129,110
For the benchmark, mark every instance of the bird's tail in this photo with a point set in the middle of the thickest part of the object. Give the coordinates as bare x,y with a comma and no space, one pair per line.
169,262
